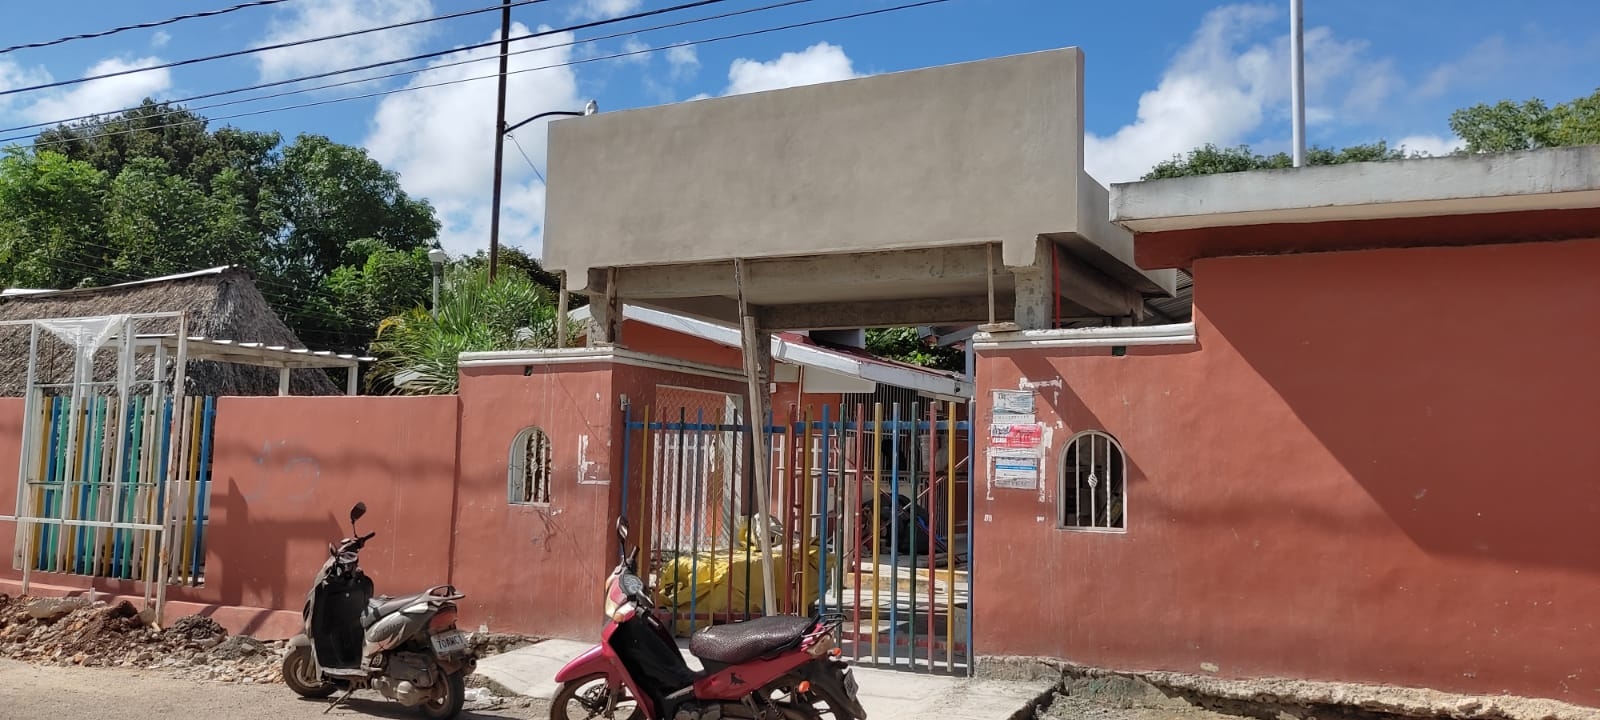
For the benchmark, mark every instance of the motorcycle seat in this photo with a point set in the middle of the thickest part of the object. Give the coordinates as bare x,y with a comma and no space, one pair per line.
746,641
382,607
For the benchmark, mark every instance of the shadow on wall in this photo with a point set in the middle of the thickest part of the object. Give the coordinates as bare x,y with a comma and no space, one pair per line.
1076,416
265,569
1451,383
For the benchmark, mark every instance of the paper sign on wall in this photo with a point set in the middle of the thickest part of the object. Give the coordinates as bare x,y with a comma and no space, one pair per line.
1028,436
1016,472
1012,402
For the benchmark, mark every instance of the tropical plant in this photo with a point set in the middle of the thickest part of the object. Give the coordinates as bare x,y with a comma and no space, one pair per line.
417,351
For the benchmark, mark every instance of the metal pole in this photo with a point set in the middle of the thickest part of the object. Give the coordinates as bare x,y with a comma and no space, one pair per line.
30,446
168,518
1297,78
758,426
499,139
438,269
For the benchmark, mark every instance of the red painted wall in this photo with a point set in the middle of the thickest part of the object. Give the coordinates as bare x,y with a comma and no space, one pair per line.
541,569
285,472
647,338
1376,466
10,448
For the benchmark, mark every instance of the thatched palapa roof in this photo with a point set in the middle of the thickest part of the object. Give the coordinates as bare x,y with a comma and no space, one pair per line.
221,303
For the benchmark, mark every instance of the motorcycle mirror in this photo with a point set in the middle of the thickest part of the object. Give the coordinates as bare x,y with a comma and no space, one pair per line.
622,529
356,513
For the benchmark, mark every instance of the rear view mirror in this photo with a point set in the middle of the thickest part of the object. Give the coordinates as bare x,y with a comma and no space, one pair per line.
622,529
356,513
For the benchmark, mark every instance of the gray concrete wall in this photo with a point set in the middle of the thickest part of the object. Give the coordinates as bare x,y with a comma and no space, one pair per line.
987,151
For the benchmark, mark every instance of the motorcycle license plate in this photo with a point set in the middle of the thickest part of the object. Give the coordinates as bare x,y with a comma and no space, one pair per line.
449,643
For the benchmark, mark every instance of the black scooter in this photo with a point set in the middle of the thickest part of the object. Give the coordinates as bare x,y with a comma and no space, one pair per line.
406,648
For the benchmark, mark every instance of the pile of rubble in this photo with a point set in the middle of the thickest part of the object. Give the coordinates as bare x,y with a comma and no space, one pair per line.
74,631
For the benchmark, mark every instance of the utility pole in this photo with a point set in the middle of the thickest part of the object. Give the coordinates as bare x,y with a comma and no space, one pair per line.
499,138
1297,78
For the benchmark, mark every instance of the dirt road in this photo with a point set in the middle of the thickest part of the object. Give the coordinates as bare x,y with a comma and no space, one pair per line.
29,692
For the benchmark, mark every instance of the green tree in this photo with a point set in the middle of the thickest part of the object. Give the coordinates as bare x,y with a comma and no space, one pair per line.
417,353
153,191
902,344
511,257
1508,126
157,223
50,221
390,282
173,135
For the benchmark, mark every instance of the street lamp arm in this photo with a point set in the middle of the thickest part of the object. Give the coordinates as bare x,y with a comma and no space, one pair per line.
513,128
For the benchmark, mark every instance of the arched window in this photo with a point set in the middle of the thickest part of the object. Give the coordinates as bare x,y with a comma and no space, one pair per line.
530,468
1094,483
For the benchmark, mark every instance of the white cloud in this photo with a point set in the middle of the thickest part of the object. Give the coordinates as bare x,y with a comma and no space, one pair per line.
160,39
820,63
601,9
1225,84
684,61
100,96
13,75
1433,145
317,18
640,49
441,140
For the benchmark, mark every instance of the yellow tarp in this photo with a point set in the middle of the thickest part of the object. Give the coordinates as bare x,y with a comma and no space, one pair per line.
701,583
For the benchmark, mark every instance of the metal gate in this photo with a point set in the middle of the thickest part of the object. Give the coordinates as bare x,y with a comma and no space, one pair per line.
114,468
870,511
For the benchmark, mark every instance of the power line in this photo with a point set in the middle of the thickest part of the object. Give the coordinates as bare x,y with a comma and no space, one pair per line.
264,48
401,73
141,26
529,159
615,56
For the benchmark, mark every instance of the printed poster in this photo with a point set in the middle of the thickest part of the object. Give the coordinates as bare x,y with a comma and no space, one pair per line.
1016,472
1024,436
1015,402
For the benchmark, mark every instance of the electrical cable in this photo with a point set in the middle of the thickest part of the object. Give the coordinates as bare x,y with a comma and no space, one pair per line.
140,26
394,91
401,73
529,159
263,48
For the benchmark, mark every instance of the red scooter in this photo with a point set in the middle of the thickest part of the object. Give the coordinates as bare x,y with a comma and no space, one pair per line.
773,668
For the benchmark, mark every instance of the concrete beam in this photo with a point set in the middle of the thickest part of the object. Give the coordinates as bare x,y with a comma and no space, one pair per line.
848,315
1095,291
1548,179
776,279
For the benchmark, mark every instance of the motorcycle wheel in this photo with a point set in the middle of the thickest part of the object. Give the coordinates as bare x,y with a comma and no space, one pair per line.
449,706
585,692
300,674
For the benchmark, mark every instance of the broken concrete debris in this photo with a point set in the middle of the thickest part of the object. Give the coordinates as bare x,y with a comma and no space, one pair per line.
75,631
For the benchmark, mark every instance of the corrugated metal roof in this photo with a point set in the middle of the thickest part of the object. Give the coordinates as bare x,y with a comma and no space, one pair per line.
1176,309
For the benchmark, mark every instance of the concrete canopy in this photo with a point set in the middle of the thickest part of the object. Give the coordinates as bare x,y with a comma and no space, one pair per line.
878,201
1535,195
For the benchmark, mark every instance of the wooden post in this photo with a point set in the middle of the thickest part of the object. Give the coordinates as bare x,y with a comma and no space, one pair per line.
757,353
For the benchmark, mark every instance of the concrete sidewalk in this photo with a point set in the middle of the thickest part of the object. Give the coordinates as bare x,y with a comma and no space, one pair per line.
885,694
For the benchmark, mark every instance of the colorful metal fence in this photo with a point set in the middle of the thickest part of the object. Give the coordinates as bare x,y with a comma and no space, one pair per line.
80,480
870,510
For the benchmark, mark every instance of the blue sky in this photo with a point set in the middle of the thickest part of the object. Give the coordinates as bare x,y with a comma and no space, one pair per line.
1162,76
